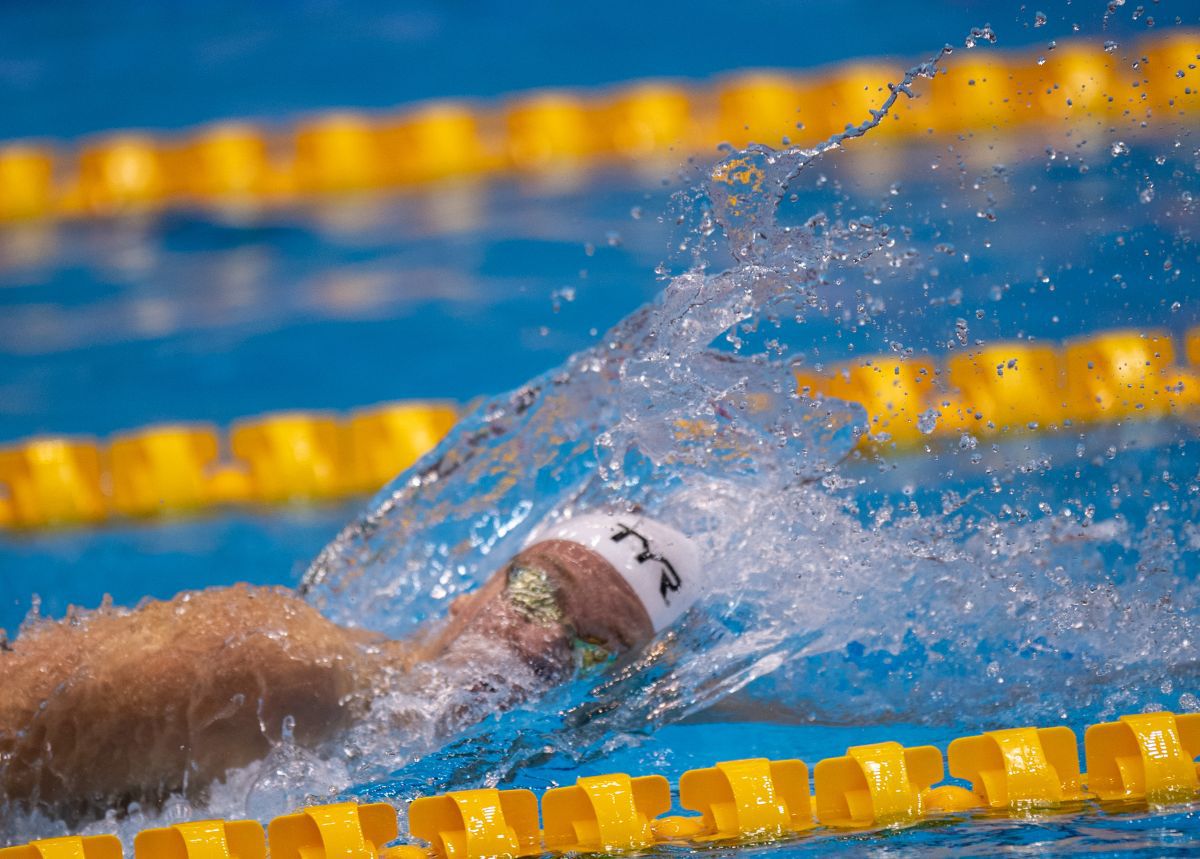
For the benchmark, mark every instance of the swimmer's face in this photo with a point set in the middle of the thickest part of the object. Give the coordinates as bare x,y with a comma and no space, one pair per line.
556,602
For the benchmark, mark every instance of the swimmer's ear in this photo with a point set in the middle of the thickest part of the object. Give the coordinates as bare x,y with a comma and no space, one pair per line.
460,604
464,605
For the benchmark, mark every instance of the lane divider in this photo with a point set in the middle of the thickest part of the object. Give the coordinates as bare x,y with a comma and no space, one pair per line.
218,839
1147,758
242,164
291,457
305,457
1019,765
478,823
340,830
879,784
1017,386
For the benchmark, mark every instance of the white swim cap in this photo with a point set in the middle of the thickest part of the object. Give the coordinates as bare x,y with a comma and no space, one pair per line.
660,564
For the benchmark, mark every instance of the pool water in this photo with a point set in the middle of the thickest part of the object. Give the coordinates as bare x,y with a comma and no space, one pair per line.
594,262
77,69
470,290
219,322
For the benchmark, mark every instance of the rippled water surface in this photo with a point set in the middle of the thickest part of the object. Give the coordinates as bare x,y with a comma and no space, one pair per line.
860,593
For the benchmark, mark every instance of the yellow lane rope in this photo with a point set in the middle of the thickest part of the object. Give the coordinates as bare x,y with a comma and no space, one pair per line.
1139,761
171,469
242,164
1018,386
295,457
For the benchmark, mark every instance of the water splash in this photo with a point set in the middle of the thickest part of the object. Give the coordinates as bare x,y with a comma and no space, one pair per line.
821,613
517,458
842,596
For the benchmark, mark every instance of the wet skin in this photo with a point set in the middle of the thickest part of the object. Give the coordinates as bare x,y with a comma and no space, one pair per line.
117,707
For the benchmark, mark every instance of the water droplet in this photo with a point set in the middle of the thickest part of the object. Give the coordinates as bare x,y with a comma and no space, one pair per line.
1039,19
978,34
1119,147
558,296
1110,46
1176,306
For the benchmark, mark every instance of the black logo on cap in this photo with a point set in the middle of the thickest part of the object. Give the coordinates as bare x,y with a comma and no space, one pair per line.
669,580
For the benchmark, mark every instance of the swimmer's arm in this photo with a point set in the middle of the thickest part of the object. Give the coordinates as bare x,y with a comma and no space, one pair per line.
140,704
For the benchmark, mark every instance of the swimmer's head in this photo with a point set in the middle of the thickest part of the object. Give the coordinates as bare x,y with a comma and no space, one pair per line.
587,588
660,565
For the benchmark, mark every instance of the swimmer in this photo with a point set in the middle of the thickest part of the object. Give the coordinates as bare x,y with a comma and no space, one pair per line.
102,710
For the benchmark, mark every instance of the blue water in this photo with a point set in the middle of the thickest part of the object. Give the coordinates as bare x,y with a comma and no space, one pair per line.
218,319
118,325
472,290
72,68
